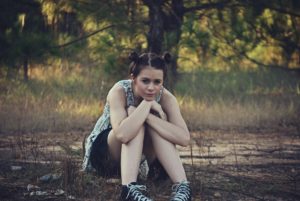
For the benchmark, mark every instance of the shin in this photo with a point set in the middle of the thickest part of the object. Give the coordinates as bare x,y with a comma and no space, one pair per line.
131,154
168,156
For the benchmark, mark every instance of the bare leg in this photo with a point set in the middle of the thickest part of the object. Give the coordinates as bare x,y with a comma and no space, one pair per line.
168,156
131,155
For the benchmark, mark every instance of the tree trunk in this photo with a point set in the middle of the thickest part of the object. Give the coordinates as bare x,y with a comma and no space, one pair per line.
172,24
156,32
165,22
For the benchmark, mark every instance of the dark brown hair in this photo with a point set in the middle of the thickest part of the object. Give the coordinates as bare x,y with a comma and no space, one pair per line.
138,62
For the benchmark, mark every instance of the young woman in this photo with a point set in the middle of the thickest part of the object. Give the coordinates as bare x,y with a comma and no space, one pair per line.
140,117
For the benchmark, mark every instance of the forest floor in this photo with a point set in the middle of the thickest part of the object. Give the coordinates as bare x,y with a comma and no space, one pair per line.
221,165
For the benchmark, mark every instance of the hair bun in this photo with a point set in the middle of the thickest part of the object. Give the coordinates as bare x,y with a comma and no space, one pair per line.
133,57
167,57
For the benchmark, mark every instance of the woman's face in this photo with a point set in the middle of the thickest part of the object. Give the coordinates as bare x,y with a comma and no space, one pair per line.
148,83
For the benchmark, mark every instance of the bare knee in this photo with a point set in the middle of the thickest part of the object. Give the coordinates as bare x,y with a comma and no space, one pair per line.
125,138
122,139
138,138
155,136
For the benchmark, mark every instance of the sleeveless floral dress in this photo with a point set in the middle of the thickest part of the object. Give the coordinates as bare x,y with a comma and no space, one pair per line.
103,122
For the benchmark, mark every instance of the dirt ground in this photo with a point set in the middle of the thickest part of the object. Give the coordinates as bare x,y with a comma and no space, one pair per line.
221,165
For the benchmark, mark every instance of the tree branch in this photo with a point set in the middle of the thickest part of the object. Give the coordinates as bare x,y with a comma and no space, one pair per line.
278,9
83,37
218,5
222,4
244,54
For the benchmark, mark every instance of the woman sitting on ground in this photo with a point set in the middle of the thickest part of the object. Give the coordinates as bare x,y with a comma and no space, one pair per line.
140,117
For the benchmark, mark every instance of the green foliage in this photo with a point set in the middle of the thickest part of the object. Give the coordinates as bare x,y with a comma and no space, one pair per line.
23,35
222,50
234,34
237,84
215,35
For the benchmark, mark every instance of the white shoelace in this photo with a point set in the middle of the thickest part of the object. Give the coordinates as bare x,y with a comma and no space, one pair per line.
181,191
134,190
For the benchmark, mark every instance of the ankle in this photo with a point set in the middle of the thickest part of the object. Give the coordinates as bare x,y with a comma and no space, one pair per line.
131,183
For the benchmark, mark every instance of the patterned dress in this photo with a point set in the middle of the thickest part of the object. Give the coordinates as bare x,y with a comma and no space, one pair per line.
103,122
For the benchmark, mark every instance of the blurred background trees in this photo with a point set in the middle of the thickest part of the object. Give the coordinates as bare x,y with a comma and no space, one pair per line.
219,34
231,58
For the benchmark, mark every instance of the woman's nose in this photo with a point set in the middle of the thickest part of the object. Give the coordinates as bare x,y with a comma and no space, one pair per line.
151,86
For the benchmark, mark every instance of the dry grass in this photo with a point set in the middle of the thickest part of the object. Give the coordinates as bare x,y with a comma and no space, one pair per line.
232,115
57,99
51,101
31,115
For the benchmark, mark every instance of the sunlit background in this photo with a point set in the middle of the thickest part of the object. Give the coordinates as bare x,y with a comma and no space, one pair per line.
235,63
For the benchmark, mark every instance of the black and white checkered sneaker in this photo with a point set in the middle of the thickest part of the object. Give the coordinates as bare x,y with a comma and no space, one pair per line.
132,192
182,191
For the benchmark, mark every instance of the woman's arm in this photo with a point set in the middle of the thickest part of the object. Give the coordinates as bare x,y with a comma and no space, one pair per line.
125,127
174,129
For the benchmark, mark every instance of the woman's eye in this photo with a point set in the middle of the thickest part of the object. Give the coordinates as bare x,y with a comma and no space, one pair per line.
146,81
157,82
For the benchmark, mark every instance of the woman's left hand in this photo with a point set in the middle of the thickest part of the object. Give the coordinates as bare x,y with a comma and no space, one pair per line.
156,107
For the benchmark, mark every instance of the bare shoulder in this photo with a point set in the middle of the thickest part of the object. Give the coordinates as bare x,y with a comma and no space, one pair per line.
171,107
116,93
168,99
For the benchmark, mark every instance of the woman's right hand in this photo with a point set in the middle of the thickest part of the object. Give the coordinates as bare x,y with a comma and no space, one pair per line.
156,107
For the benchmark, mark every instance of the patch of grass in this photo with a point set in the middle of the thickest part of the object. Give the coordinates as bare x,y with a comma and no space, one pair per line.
57,99
224,114
239,99
56,102
238,84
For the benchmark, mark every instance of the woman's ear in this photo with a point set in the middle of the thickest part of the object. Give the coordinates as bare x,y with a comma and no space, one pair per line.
133,78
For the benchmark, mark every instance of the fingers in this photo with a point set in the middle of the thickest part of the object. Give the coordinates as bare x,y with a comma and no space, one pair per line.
163,116
156,106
